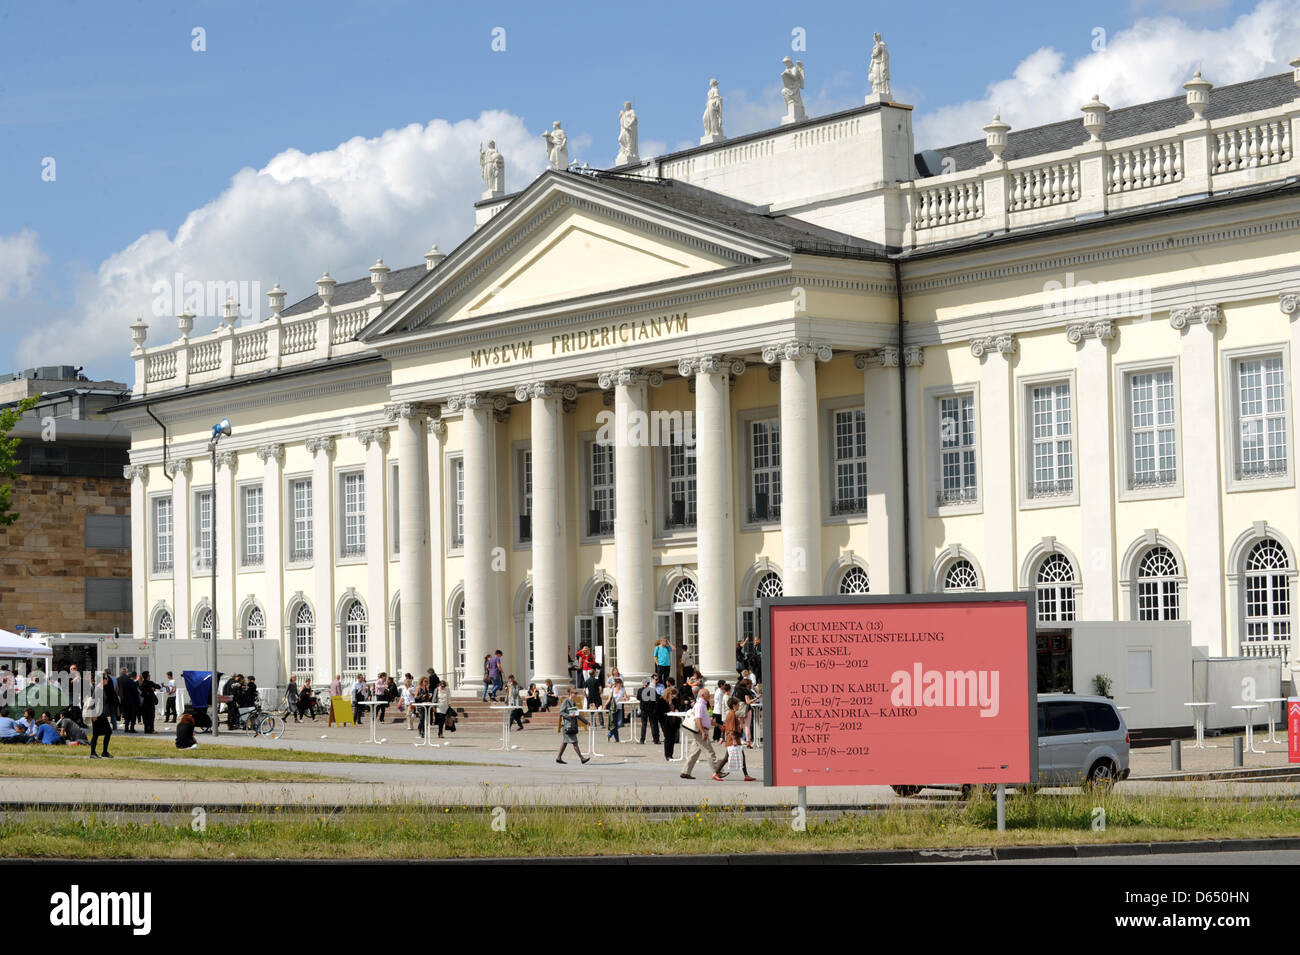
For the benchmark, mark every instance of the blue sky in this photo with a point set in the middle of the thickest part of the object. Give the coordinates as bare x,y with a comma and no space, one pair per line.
149,137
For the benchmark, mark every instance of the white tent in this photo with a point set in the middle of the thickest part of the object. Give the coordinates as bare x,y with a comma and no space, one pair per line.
12,645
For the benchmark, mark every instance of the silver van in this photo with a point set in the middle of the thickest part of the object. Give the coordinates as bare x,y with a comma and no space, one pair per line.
1082,740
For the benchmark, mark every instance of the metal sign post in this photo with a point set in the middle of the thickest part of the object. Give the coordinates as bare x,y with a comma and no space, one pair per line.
1002,807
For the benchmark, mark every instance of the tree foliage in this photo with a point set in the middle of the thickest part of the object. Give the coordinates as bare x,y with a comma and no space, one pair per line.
9,456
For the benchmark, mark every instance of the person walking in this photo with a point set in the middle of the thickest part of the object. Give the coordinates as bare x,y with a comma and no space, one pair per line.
408,704
719,709
291,699
381,697
148,701
569,719
441,709
423,694
702,739
736,734
593,688
615,710
498,671
97,709
648,697
669,725
487,678
307,702
169,711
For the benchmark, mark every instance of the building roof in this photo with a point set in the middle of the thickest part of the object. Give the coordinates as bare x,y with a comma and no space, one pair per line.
741,216
357,290
1144,118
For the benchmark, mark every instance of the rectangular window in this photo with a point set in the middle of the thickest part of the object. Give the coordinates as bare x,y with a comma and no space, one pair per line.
163,535
203,530
765,469
1152,429
108,531
108,594
850,462
681,477
354,514
602,489
301,546
1261,418
958,448
526,494
253,530
1052,436
458,489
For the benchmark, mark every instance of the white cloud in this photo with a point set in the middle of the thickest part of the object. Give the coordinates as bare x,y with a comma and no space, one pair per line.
340,209
1149,60
21,258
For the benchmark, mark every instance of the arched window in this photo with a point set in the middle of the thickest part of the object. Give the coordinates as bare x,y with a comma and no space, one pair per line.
165,628
1268,592
604,600
354,638
304,641
207,624
961,575
769,585
1157,585
1056,582
855,581
686,594
255,624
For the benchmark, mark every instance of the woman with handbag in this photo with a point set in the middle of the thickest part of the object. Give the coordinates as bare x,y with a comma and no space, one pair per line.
570,717
443,716
735,738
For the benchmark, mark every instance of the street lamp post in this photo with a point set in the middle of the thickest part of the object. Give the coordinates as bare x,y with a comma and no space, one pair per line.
219,431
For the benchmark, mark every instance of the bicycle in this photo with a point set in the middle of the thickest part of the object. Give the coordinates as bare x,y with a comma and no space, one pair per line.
259,723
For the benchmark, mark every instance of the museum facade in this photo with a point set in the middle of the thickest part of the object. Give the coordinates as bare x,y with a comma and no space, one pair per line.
804,361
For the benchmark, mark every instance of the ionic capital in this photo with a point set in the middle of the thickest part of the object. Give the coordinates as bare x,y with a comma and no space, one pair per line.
546,389
886,357
402,410
1289,302
1103,330
371,436
1004,345
467,401
226,459
133,472
269,451
628,376
795,350
182,467
710,365
1209,315
914,356
323,444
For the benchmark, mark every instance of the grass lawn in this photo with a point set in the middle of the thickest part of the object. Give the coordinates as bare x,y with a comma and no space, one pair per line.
143,748
35,765
430,832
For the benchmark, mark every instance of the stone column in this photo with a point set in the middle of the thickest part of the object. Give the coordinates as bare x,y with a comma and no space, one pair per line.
224,522
328,659
998,465
272,456
443,657
413,574
138,475
478,429
801,497
633,527
549,528
884,468
1202,484
715,520
379,655
1094,466
914,357
182,556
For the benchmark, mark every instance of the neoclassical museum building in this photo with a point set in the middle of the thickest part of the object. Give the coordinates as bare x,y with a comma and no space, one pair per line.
809,360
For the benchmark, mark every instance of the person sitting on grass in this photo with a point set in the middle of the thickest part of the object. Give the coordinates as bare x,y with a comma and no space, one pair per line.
27,724
9,731
45,733
185,733
73,733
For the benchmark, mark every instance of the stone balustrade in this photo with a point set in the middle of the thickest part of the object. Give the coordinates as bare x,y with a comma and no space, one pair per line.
1199,158
275,343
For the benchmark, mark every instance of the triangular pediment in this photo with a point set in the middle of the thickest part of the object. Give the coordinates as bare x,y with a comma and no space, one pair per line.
565,239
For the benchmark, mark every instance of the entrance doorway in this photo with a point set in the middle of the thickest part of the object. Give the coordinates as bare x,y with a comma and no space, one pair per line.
681,625
599,629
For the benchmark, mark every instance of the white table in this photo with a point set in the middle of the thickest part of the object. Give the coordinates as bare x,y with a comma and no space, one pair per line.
372,704
633,702
506,709
428,724
681,734
1269,705
1198,712
591,730
1250,709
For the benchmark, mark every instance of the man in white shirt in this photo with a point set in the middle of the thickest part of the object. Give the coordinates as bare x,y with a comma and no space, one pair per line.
169,713
702,740
720,708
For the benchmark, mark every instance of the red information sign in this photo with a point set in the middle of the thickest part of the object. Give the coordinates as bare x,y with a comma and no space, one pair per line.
899,690
1293,729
